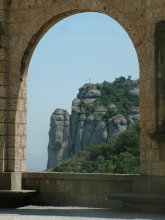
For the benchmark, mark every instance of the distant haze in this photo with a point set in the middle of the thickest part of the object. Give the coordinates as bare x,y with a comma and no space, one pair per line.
82,47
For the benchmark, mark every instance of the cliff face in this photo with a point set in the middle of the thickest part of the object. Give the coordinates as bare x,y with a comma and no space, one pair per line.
87,128
58,147
94,119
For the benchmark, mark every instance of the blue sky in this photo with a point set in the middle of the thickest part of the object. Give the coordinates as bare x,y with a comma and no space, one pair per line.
82,46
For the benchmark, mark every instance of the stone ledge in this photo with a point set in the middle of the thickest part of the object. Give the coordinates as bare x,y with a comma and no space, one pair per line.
138,197
151,203
78,176
16,198
15,193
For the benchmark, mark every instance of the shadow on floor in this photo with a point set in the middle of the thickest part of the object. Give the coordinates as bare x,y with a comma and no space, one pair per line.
77,212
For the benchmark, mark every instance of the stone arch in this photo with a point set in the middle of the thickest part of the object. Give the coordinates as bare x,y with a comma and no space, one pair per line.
27,42
49,17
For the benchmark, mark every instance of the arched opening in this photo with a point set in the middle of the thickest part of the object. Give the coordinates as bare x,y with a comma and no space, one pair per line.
105,60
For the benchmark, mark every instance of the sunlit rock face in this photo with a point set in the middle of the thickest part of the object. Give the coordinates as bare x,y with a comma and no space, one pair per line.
91,122
87,127
58,146
117,124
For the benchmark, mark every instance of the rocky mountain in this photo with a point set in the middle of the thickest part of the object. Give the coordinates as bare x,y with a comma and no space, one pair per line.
99,113
58,148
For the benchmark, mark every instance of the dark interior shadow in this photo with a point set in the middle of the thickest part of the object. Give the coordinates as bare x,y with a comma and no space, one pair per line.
78,212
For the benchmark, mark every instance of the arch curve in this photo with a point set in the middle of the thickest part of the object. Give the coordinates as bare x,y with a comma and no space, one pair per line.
50,16
41,21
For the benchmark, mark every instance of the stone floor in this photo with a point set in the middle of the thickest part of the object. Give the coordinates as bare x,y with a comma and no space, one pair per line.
68,213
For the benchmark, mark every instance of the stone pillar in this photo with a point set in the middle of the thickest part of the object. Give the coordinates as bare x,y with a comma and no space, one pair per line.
12,103
16,124
3,84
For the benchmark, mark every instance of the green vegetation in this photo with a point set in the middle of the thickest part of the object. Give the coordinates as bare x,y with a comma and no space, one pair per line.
117,93
120,155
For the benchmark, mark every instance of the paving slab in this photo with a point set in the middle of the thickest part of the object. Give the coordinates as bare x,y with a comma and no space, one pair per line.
71,213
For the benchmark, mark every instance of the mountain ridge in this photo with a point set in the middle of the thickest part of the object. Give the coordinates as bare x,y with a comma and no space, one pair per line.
100,113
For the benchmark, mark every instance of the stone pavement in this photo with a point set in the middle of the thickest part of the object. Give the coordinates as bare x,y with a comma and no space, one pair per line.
71,213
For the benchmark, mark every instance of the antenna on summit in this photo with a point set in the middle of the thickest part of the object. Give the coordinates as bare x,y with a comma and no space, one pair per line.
89,80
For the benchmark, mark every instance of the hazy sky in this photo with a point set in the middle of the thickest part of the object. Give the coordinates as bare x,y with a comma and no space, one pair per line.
82,46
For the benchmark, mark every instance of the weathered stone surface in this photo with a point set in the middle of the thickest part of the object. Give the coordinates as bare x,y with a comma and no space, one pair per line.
134,114
88,92
117,124
58,137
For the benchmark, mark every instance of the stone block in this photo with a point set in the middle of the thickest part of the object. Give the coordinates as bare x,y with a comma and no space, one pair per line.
118,4
13,42
153,16
2,66
53,186
24,117
11,153
11,116
145,167
18,140
3,42
14,29
3,28
162,151
23,92
152,155
14,165
10,181
155,4
5,183
27,4
14,5
132,6
21,16
23,141
11,129
157,184
2,5
43,3
19,153
157,169
11,141
21,105
2,79
3,129
3,55
3,104
2,141
12,105
16,181
117,187
18,118
3,116
20,129
1,153
143,154
1,166
23,165
3,91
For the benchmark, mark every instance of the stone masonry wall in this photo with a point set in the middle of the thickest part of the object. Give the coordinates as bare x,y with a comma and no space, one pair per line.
4,13
89,190
25,22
